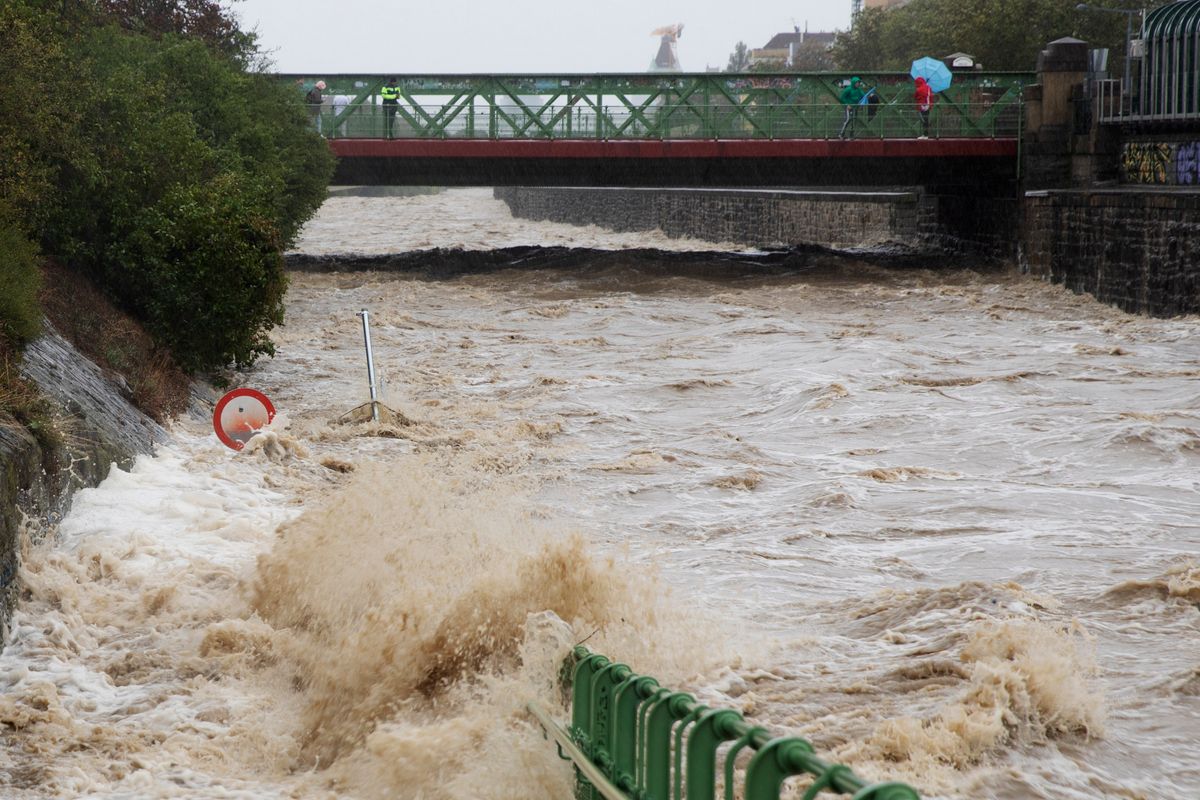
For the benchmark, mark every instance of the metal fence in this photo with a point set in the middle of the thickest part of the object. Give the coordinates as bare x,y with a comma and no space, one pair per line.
1163,74
631,738
706,106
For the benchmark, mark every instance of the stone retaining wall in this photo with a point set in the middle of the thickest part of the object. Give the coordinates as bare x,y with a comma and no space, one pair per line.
751,217
98,427
908,219
1136,249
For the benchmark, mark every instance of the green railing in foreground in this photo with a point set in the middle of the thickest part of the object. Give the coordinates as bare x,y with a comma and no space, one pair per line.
631,738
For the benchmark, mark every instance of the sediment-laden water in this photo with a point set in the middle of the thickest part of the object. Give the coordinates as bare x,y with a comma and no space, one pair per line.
942,523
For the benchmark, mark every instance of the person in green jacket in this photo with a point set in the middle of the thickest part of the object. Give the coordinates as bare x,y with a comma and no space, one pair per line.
851,97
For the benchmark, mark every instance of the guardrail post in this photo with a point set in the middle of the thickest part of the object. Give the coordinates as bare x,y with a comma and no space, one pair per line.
582,679
665,713
769,768
707,734
603,714
623,739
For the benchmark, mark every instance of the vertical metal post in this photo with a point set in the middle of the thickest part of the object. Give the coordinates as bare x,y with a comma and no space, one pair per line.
370,363
1127,84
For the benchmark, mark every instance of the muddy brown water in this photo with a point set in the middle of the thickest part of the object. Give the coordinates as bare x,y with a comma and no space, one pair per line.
943,523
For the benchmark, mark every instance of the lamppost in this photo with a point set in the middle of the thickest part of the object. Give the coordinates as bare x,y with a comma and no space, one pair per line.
1126,88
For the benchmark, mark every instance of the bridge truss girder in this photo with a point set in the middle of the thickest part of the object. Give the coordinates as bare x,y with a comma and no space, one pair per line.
664,107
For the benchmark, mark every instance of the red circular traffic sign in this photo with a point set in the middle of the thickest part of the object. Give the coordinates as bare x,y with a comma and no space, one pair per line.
239,414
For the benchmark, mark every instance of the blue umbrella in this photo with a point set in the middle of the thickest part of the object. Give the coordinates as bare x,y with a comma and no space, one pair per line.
935,73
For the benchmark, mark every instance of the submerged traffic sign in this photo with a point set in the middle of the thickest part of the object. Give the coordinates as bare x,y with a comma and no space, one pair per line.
239,414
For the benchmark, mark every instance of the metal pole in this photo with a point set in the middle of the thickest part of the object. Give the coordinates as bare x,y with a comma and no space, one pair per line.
1126,87
370,363
1128,12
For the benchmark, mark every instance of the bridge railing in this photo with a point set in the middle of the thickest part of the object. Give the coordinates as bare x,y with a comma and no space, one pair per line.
631,738
706,106
782,121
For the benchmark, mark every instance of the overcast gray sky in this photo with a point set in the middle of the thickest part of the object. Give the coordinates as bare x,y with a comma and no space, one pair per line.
381,36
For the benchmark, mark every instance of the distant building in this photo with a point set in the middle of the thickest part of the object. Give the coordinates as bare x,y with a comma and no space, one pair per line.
856,6
785,50
961,61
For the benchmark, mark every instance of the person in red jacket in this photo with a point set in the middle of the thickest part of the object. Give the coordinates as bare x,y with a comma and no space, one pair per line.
924,99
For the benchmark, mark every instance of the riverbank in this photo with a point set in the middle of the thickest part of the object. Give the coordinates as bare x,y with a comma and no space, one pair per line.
97,390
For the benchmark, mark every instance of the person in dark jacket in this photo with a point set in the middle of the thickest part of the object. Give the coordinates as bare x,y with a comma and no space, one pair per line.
314,100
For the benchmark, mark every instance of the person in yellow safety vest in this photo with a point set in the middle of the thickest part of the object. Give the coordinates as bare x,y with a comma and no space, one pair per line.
391,104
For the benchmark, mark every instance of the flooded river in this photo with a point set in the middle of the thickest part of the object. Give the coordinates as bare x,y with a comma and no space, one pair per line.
942,523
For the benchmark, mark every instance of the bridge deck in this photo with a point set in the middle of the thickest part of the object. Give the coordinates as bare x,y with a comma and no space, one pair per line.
673,149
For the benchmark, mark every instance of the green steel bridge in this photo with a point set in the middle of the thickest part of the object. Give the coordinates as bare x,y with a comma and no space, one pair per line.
661,128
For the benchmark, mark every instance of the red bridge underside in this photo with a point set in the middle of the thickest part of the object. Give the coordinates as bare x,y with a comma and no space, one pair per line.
655,149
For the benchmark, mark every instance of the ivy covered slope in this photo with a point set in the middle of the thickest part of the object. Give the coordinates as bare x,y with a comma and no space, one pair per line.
143,151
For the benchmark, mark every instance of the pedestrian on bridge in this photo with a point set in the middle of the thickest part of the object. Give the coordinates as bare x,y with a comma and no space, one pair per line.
924,100
314,99
851,97
391,104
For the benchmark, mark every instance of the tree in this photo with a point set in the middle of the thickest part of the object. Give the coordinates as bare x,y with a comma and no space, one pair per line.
205,20
180,196
739,59
155,164
1001,34
813,56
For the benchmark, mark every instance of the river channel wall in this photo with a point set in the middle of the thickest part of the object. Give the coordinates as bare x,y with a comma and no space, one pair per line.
1137,249
905,218
95,425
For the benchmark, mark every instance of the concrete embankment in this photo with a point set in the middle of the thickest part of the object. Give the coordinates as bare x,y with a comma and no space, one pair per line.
95,426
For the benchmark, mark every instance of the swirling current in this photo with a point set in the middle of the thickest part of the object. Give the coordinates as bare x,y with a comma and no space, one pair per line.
942,522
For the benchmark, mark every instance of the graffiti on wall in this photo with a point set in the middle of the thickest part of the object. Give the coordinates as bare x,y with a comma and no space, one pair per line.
1187,164
1162,163
1146,162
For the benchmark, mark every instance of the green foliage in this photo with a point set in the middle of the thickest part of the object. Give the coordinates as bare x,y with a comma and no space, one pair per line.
34,130
203,20
160,166
207,250
20,315
1001,34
